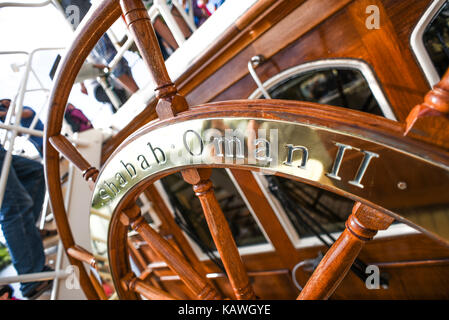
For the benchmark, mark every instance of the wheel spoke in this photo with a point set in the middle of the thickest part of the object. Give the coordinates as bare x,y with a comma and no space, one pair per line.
221,233
97,286
199,284
147,290
146,271
167,220
267,217
436,103
66,148
139,23
82,254
136,256
361,226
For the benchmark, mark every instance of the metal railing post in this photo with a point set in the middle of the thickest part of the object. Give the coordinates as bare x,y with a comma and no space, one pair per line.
24,5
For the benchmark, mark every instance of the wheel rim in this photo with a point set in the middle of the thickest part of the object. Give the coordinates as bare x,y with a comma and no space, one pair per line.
85,39
380,135
385,133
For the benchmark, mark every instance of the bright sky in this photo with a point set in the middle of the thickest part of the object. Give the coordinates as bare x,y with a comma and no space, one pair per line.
25,29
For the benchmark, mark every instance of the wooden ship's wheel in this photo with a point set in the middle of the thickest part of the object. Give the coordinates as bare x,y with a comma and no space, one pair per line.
362,157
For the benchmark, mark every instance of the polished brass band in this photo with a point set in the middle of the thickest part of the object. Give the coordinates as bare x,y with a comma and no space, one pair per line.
412,188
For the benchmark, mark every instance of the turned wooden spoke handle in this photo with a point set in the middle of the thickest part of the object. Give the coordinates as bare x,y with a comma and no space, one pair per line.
220,231
82,254
130,282
66,148
361,226
139,23
196,282
436,103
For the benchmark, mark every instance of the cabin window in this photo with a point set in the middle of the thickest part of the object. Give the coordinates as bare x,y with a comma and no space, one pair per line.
340,82
345,83
337,87
430,40
189,214
436,39
311,210
348,83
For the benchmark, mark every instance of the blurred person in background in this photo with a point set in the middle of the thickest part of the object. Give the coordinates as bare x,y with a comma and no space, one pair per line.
28,115
104,51
19,213
76,119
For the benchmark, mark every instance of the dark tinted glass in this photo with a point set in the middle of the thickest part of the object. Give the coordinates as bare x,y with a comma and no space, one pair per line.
436,39
189,213
338,87
312,211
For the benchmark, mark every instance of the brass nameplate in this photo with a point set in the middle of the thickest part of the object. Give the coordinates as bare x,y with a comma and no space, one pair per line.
408,186
380,174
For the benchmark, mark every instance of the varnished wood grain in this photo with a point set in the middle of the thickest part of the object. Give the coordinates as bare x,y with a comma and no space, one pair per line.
148,291
221,234
267,217
400,77
196,282
415,264
97,286
169,227
361,226
139,23
65,147
316,39
82,254
86,37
